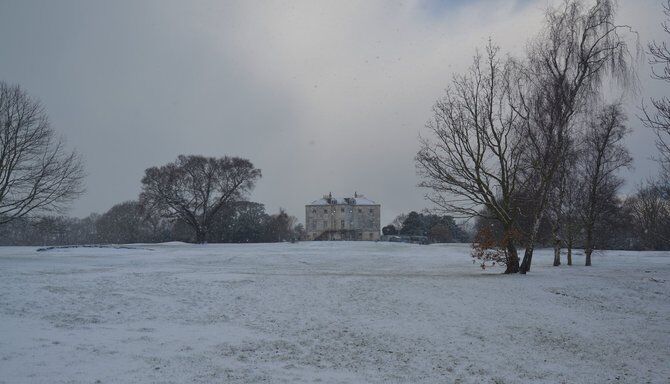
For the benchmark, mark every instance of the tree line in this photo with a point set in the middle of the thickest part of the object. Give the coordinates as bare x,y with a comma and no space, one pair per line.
128,222
532,142
435,228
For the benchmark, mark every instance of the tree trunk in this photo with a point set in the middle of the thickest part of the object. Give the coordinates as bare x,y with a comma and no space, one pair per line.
200,236
527,259
557,247
588,246
528,254
512,258
570,250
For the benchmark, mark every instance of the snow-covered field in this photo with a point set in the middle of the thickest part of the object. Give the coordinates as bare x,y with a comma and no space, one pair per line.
328,312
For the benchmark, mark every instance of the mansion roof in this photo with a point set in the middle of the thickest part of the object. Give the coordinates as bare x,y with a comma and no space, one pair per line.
356,200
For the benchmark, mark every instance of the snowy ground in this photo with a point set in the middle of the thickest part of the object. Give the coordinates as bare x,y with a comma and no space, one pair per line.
328,312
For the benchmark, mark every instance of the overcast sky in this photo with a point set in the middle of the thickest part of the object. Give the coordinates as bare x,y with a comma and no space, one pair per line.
321,95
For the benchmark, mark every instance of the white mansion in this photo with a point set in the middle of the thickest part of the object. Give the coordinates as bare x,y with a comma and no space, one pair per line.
348,218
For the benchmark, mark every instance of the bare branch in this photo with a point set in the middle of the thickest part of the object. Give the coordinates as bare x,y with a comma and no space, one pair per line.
195,188
37,175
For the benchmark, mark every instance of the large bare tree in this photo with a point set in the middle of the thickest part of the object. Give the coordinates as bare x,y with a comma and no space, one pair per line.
603,156
37,173
579,47
194,188
471,158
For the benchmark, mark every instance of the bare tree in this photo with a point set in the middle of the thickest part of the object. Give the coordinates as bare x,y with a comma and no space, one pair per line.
604,154
557,206
126,223
37,173
570,208
280,227
658,116
565,202
194,188
650,208
472,157
566,65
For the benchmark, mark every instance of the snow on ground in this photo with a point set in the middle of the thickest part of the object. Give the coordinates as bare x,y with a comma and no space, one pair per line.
328,312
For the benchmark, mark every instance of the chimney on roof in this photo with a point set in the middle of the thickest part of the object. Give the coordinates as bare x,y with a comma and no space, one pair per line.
355,194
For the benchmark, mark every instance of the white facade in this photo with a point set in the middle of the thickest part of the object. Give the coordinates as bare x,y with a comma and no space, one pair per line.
348,218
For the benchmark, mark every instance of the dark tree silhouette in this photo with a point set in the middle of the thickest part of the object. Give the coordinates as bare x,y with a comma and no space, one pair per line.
37,173
389,230
194,189
473,154
126,223
603,155
563,75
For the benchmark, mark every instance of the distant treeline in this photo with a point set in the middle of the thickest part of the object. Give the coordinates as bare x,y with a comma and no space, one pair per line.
437,229
125,223
640,221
